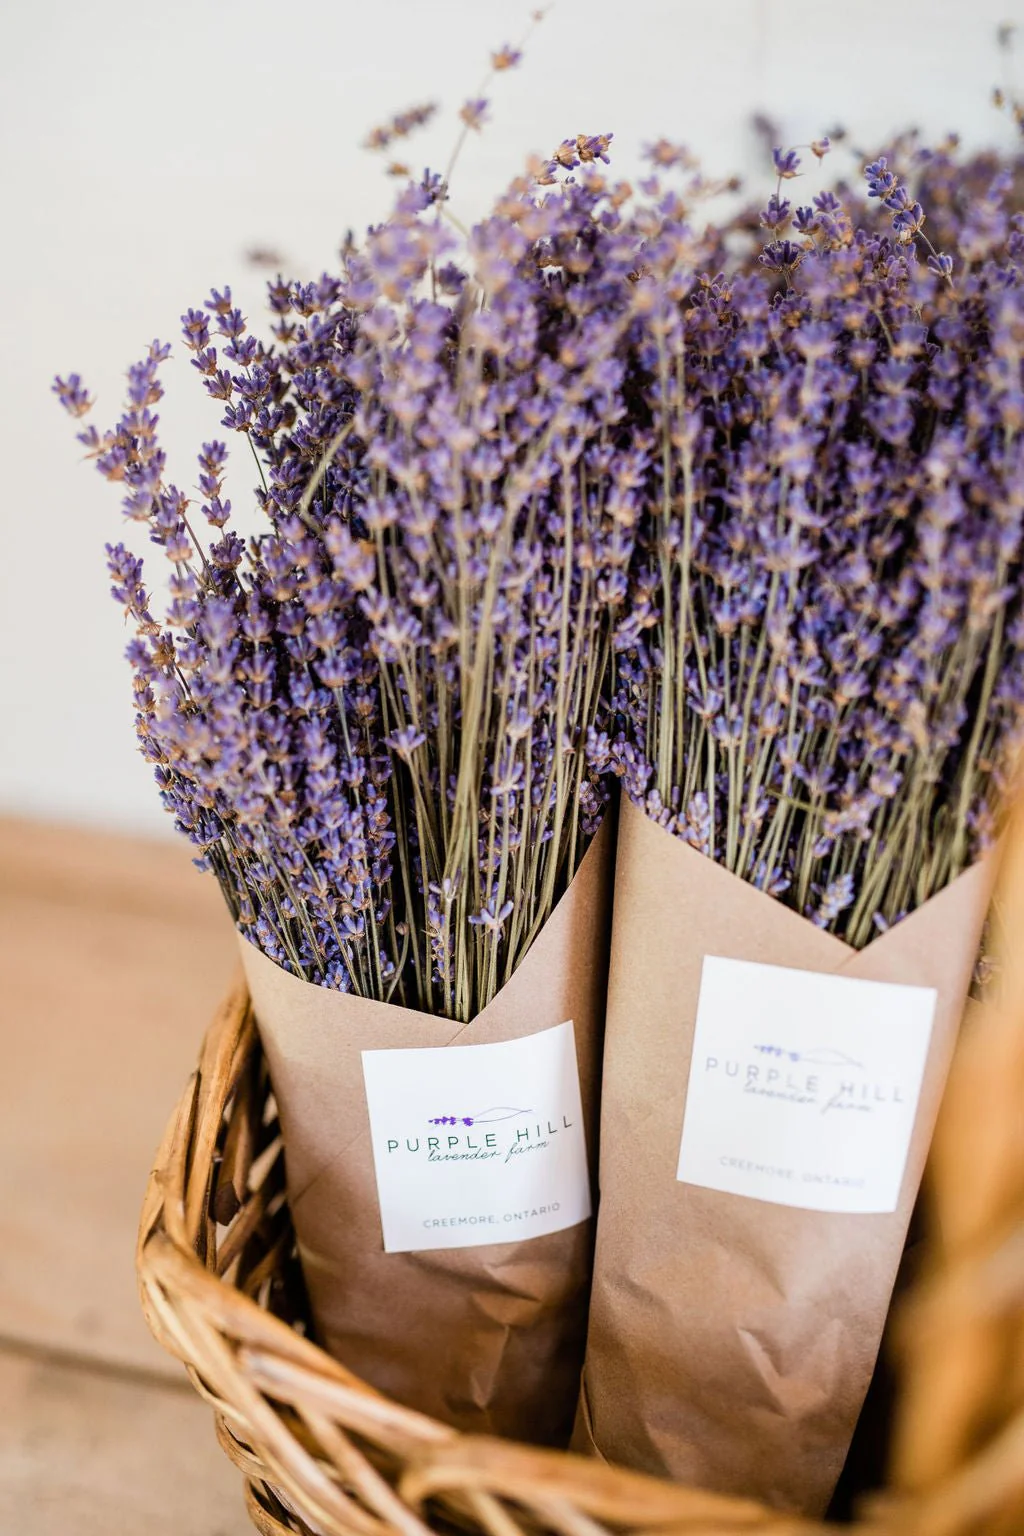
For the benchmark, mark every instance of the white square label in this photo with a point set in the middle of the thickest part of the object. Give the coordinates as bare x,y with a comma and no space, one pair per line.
476,1144
803,1087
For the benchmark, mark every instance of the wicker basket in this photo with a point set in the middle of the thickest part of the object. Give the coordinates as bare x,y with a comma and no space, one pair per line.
324,1454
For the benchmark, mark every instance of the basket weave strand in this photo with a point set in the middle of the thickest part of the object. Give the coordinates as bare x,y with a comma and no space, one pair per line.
323,1454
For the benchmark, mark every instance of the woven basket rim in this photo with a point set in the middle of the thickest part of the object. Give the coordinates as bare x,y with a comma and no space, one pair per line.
323,1453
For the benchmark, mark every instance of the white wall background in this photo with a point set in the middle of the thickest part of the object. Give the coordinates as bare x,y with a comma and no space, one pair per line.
147,146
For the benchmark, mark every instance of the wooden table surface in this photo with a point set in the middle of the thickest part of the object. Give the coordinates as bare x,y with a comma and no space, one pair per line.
113,952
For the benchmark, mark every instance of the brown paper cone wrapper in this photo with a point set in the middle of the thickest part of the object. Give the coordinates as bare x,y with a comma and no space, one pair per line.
489,1339
732,1341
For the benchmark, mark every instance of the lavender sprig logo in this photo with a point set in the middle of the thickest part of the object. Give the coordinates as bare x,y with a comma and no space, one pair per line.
485,1117
816,1058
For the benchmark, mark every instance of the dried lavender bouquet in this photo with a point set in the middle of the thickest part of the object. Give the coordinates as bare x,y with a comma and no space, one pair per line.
821,676
371,718
818,702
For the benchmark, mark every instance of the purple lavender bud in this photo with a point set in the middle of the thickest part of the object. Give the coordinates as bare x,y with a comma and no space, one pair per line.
786,163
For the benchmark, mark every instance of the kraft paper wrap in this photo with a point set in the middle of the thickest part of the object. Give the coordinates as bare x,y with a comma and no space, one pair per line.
732,1341
489,1339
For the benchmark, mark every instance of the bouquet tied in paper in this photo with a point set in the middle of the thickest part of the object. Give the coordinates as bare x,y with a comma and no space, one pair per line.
817,712
371,719
489,1337
732,1340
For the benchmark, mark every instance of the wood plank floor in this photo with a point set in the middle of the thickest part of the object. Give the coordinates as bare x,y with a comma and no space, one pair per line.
87,1453
113,952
